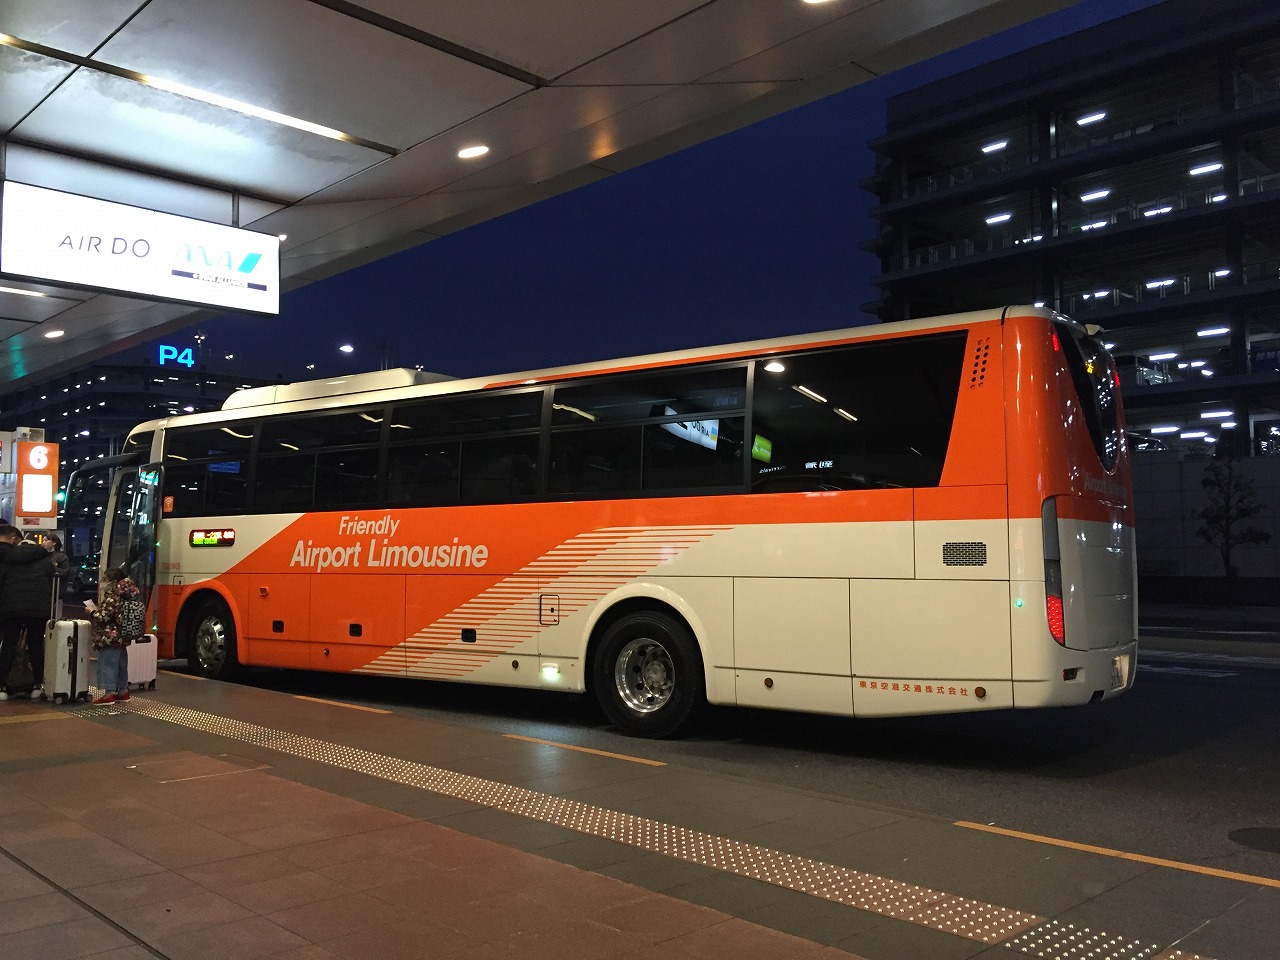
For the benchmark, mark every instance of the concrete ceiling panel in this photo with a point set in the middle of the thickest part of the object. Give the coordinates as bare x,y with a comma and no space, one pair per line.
517,127
71,25
300,59
547,38
26,78
144,128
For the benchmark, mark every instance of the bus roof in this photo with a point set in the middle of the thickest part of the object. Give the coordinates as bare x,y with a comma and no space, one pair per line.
383,385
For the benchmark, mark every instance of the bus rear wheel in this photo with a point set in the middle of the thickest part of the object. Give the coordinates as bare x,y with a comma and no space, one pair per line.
648,675
211,646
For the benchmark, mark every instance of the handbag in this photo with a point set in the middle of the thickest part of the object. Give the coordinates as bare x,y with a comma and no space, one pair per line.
21,677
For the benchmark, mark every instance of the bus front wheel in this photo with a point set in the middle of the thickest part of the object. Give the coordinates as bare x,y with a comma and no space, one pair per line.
647,675
211,648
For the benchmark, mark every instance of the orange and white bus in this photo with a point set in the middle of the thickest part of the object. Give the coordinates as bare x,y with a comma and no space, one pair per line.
923,517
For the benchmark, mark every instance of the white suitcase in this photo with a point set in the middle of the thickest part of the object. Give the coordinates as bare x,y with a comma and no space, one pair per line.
66,660
142,662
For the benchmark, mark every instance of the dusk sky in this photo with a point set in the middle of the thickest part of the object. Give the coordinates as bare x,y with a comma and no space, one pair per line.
754,234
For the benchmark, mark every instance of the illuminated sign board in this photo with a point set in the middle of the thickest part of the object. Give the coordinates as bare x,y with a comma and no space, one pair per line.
213,538
182,356
37,491
60,237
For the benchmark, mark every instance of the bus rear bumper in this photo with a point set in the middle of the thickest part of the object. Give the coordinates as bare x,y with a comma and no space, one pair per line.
1080,676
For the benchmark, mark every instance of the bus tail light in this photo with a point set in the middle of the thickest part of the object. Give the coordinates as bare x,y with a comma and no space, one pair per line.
1053,611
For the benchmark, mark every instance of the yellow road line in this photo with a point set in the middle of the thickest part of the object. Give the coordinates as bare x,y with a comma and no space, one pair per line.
35,717
339,703
1123,855
598,753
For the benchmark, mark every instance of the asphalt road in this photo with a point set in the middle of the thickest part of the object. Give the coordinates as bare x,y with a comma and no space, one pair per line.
1185,767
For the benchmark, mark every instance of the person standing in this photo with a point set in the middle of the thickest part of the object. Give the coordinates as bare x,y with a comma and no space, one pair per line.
118,620
61,562
26,600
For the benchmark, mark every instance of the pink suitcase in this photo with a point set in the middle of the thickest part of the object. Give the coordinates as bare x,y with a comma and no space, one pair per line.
142,662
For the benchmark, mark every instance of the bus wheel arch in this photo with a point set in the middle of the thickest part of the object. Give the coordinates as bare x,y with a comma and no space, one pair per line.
206,632
646,668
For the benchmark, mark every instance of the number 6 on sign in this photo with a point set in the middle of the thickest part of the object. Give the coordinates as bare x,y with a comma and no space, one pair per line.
37,479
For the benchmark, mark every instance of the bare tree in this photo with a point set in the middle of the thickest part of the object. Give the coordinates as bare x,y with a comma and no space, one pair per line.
1232,501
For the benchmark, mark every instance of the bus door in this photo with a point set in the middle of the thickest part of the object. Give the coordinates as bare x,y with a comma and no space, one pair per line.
133,511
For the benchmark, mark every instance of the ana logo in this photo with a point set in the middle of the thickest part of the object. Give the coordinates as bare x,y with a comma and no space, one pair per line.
199,255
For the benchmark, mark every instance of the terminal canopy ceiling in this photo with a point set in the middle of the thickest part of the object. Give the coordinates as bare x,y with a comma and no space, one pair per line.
338,124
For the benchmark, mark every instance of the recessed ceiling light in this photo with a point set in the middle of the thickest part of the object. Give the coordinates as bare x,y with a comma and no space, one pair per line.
347,348
54,334
470,153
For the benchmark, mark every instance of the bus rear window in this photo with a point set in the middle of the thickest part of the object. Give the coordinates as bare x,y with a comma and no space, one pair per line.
1094,378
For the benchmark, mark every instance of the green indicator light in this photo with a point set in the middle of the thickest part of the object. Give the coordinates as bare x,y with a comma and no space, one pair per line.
1017,603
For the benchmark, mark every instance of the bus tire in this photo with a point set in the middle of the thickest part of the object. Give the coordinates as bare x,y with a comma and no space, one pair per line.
211,646
648,676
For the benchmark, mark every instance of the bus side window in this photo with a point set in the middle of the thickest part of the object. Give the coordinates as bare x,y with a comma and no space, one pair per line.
596,460
422,474
499,469
686,455
284,484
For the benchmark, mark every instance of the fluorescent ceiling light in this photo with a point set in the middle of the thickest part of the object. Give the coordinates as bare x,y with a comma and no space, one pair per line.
470,153
1214,414
809,393
1198,363
1213,331
999,218
347,348
1165,429
1229,424
1095,194
1089,118
1217,198
1156,212
995,145
847,415
54,334
1108,346
1204,168
23,293
1102,293
1162,356
1157,284
239,106
1194,435
774,366
1224,272
1096,225
1206,372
